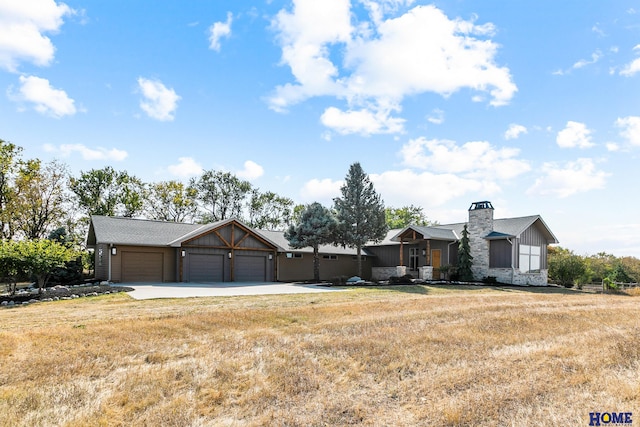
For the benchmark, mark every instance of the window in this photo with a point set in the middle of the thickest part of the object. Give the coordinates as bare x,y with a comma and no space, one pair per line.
331,257
293,255
529,259
100,252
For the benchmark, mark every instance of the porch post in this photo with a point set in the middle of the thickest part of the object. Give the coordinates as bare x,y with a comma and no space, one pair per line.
428,255
401,252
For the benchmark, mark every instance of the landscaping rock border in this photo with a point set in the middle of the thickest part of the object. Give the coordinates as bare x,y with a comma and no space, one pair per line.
30,295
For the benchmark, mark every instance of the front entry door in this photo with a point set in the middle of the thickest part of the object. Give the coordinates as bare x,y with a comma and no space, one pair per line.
414,259
435,262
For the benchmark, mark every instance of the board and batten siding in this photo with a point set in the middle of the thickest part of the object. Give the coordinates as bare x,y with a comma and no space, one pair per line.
389,256
532,236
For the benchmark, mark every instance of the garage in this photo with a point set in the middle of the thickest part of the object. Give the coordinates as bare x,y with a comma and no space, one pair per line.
206,268
142,266
250,268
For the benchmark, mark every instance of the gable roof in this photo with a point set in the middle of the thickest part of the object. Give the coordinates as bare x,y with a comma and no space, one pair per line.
502,229
142,232
138,232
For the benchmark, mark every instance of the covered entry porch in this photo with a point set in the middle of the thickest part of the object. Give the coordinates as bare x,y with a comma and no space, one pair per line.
423,250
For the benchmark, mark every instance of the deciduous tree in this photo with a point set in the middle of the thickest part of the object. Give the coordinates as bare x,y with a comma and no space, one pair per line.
405,216
41,257
222,195
360,212
268,211
108,192
565,267
171,201
9,163
39,203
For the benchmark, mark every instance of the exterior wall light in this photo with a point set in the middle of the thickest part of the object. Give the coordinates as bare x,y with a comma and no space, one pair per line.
183,253
424,252
229,254
270,257
114,251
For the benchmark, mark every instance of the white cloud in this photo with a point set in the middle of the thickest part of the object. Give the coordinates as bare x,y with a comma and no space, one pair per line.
595,57
403,187
320,190
24,24
575,134
630,129
514,131
385,59
476,159
612,146
186,167
364,122
159,102
45,98
98,153
251,170
631,69
565,180
219,30
436,117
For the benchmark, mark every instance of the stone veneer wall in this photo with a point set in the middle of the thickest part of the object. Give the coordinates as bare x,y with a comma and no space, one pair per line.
425,272
480,225
505,275
383,273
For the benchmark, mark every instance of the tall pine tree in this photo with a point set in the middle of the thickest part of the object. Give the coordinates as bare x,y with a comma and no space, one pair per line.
464,257
360,212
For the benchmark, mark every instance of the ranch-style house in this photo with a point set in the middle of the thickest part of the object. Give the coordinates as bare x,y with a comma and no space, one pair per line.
513,250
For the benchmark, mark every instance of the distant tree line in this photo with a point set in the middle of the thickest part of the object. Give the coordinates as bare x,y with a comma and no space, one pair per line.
569,269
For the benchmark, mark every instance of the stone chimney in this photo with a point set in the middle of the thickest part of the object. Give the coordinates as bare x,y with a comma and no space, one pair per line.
480,225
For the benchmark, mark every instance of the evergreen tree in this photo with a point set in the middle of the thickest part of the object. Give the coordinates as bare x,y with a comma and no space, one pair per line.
360,212
317,227
464,257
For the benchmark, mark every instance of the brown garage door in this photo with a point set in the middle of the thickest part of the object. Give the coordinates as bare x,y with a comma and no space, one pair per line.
206,268
250,268
141,267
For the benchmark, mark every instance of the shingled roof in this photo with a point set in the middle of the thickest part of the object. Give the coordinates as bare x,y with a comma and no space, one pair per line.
138,232
502,228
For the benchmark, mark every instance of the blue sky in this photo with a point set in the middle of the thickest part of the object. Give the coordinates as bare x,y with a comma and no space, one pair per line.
534,106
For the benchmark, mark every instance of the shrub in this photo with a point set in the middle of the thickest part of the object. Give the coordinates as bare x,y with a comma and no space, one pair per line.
490,280
339,280
407,279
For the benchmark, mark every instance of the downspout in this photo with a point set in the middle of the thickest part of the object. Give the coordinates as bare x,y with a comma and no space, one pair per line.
109,262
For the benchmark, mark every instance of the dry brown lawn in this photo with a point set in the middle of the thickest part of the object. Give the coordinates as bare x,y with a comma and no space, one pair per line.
379,357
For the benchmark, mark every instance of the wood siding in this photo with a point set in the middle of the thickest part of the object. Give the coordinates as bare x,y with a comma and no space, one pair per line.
301,269
500,254
534,237
245,255
389,256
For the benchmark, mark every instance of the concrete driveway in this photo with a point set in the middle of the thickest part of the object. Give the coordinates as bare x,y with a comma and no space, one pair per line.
190,290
